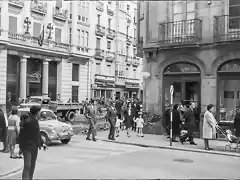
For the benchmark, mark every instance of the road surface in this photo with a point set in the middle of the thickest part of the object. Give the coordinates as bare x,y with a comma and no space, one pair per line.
87,160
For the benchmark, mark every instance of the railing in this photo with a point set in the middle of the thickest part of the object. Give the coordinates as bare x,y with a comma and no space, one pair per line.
60,14
180,32
110,10
100,30
19,3
110,33
120,80
99,53
135,61
104,77
39,7
110,54
99,6
128,39
129,60
133,81
226,28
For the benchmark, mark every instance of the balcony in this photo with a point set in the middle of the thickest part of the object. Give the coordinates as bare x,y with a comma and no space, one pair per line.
23,40
16,3
99,54
132,82
83,50
120,81
187,32
99,6
128,60
226,28
135,61
129,20
110,56
100,30
110,11
38,8
60,14
135,42
110,34
129,40
104,78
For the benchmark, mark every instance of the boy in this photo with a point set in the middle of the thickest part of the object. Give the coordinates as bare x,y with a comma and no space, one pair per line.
140,122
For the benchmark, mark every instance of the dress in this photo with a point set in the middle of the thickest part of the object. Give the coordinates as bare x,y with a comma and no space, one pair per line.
209,126
129,114
13,129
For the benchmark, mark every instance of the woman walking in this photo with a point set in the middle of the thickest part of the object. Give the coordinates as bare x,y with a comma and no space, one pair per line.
13,131
176,122
129,116
237,125
209,126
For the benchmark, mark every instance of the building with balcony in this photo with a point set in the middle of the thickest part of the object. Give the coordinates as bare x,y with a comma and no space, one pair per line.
45,50
194,47
115,55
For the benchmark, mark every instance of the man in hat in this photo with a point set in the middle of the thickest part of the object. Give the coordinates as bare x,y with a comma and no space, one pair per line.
111,118
3,131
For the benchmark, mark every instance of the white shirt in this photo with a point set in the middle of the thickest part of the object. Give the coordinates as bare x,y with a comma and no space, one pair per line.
6,120
118,122
139,122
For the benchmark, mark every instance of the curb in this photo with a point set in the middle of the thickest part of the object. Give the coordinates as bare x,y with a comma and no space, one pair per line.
11,172
174,148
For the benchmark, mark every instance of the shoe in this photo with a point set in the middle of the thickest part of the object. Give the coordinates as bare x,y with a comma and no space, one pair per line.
113,139
193,143
13,157
109,138
94,139
88,139
117,135
182,141
174,141
207,149
2,150
210,148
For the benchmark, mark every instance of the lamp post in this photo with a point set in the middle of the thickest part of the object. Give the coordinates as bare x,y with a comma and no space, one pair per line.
50,28
27,23
171,115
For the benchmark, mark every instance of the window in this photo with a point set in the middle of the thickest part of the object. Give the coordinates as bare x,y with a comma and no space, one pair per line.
70,35
82,38
98,19
36,28
121,48
86,20
70,15
78,36
135,33
127,30
134,51
177,17
83,19
109,45
109,68
98,68
58,35
109,23
87,38
121,5
127,50
75,72
128,8
0,20
234,14
119,71
127,72
108,94
135,15
98,43
134,73
79,18
13,24
74,93
190,17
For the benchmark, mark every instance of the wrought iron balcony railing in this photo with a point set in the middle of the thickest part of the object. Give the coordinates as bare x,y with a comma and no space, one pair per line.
129,39
39,7
60,14
99,6
16,3
110,56
110,33
99,54
226,28
100,30
110,10
180,32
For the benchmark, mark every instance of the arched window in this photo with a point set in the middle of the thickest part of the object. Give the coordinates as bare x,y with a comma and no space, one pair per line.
179,68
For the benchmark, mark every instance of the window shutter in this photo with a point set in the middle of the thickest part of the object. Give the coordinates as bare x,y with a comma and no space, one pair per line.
58,34
13,24
36,29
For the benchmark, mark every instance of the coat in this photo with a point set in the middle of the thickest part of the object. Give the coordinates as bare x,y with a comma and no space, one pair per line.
176,122
209,126
129,118
237,124
90,114
190,120
111,115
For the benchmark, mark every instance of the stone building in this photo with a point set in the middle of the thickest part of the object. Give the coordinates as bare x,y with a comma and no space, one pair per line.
194,46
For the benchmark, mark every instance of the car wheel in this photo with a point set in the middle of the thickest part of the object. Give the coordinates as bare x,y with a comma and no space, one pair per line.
45,138
66,141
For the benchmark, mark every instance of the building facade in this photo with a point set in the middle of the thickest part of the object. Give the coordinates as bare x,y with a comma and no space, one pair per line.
116,67
192,45
40,54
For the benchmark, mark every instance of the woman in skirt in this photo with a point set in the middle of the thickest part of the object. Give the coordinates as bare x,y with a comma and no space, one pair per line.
13,131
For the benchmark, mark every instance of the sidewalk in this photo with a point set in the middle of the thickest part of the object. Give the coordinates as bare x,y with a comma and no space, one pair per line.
8,165
162,142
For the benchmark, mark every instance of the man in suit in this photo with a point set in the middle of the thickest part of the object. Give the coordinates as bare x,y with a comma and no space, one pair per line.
3,131
111,118
90,114
190,121
30,141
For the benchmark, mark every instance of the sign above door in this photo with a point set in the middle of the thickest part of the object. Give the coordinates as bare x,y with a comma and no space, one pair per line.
181,68
230,66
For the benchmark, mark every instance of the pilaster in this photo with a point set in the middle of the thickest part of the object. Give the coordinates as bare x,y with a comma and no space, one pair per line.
23,77
45,77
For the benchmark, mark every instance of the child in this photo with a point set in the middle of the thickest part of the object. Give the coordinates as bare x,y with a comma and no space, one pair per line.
117,126
140,122
230,136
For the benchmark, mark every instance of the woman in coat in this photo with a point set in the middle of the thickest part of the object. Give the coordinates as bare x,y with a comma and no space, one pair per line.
209,126
237,125
129,116
176,121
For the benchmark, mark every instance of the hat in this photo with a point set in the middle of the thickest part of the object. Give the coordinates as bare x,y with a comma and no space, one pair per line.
35,109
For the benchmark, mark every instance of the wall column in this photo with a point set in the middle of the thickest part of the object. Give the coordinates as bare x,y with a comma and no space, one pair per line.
23,77
45,78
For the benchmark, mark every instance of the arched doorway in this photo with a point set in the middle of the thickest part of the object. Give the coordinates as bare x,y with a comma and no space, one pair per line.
228,90
186,79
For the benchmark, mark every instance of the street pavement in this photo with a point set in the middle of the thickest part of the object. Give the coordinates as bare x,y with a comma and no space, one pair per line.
88,160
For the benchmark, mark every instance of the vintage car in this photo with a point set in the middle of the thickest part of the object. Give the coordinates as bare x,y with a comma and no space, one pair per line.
50,128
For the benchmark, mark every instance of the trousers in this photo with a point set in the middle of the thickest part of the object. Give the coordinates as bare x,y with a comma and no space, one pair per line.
30,157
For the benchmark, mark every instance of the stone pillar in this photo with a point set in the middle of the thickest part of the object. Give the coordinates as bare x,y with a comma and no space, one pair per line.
45,78
23,77
74,24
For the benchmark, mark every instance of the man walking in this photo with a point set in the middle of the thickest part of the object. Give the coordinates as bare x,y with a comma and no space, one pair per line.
30,141
190,121
3,131
111,118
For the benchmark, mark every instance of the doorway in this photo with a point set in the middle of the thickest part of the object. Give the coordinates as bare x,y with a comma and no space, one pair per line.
34,89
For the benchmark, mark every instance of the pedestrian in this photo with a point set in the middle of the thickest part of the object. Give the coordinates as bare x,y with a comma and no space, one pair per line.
118,106
111,118
30,141
209,126
176,121
237,126
3,131
190,121
134,127
139,124
90,114
13,131
129,116
118,126
123,109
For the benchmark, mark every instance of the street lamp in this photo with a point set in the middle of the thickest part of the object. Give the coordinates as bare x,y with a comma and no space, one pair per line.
49,29
27,23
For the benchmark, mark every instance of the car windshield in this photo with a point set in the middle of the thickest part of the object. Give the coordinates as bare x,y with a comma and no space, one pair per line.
35,100
47,115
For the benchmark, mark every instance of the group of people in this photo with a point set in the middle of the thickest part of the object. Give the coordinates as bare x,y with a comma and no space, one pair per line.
24,131
120,115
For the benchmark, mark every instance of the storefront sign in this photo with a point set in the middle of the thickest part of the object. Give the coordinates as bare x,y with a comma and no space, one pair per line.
182,68
231,67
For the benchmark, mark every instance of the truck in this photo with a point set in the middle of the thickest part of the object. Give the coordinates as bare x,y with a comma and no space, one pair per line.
62,110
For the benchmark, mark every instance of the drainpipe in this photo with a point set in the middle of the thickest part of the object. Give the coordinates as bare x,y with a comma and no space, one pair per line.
88,77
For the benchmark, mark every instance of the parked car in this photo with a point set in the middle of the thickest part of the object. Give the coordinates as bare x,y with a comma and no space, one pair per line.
50,128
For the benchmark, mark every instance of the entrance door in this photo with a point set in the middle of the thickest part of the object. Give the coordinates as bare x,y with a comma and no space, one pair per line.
34,89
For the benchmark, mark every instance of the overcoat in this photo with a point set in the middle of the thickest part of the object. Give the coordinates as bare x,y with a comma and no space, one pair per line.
209,126
237,124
